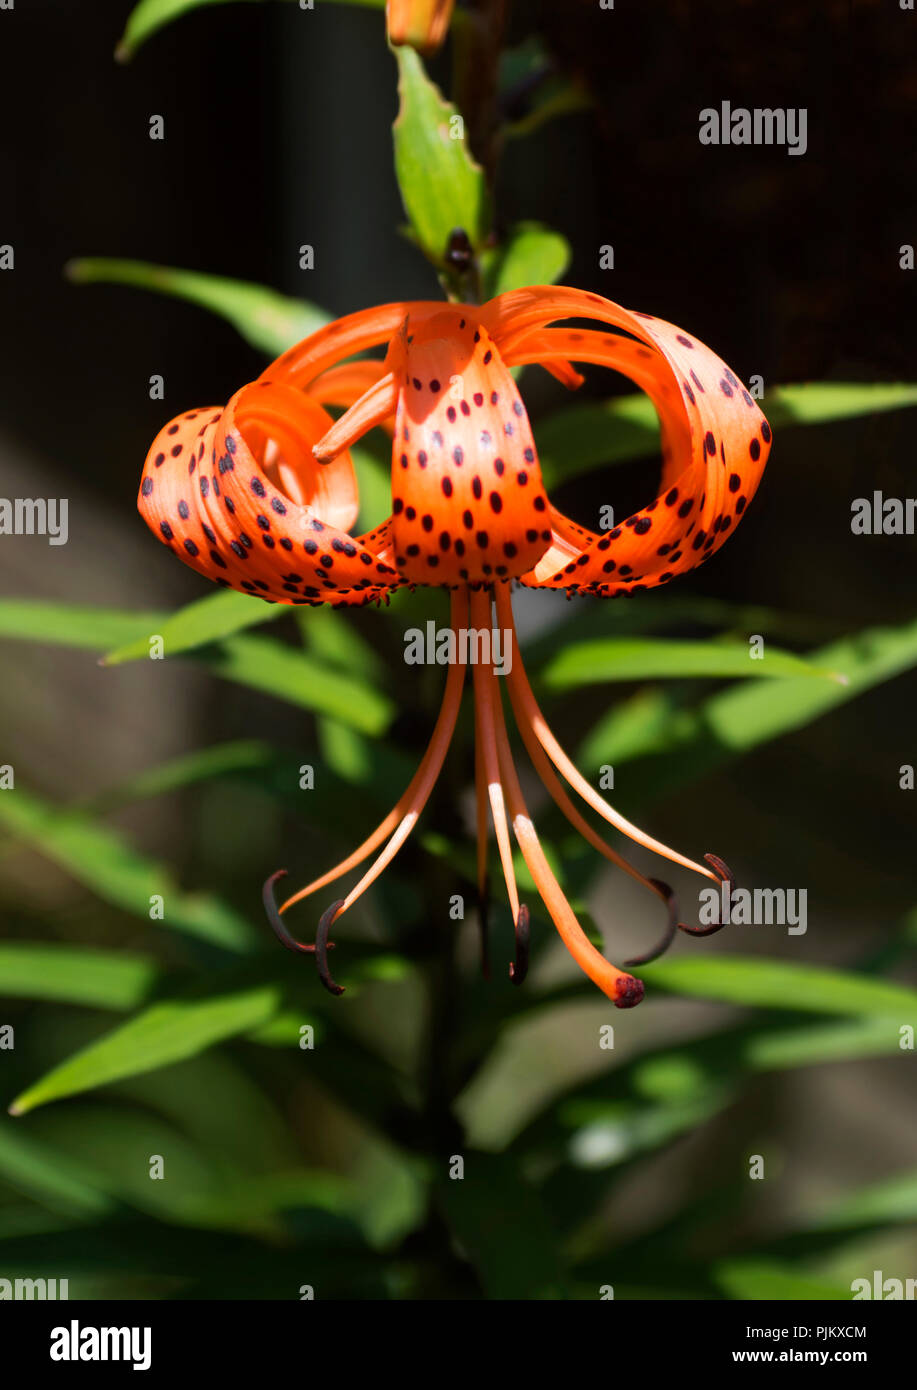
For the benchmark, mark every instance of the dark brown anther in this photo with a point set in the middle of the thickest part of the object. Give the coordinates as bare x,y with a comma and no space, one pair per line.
725,875
459,251
671,928
520,966
323,945
275,919
629,992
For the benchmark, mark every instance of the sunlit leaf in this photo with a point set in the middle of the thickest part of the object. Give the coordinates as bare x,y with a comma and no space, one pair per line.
269,321
73,625
256,662
75,974
690,742
753,1279
531,255
442,187
166,1032
646,658
206,620
777,984
293,675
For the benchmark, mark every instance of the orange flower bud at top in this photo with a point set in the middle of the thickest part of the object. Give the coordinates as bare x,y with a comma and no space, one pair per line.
421,23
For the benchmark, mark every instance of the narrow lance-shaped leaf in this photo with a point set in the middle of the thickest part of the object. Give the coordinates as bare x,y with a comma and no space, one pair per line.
74,974
207,619
73,625
694,741
256,662
442,187
647,658
269,321
778,984
167,1032
120,875
292,675
241,755
588,435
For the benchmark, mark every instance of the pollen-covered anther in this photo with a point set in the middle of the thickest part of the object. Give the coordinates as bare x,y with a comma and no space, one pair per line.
629,993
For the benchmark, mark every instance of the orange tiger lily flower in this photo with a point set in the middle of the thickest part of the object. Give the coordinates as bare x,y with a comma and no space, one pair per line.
261,496
421,23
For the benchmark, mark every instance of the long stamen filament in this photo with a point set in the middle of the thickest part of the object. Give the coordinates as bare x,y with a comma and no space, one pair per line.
487,701
528,713
402,818
620,987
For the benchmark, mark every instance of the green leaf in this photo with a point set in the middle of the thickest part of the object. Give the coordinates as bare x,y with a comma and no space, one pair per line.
73,625
242,755
252,661
647,658
206,620
269,321
442,187
75,975
892,1201
118,874
292,675
752,1279
167,1032
59,1183
817,402
733,721
532,255
590,435
775,984
151,15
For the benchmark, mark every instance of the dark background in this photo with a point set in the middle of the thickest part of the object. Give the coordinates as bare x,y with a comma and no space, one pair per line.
277,126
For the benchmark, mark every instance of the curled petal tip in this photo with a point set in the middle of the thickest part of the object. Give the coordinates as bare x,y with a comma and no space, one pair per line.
629,992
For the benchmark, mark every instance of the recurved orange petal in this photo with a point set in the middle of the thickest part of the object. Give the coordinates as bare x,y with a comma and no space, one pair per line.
715,440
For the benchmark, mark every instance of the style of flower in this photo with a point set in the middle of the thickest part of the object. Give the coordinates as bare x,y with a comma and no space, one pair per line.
261,496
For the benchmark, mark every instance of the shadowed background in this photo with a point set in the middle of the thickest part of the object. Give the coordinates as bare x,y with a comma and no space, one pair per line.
277,133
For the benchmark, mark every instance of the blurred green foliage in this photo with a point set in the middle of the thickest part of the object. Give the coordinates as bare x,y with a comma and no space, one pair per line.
310,1141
